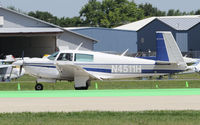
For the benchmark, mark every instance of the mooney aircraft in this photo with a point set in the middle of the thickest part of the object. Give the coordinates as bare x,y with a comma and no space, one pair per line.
84,66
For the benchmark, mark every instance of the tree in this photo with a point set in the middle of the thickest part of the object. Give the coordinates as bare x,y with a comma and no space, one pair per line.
110,13
173,12
15,9
197,12
149,10
70,22
91,13
46,16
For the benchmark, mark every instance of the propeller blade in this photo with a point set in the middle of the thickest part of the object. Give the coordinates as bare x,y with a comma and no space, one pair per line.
21,66
20,70
22,55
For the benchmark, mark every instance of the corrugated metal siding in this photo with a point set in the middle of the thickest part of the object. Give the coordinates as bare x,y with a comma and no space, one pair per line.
147,35
181,23
137,25
12,20
111,40
1,20
182,41
194,38
72,41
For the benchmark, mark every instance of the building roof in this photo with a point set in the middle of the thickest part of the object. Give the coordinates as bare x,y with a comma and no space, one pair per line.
77,28
137,25
176,22
50,24
29,30
99,28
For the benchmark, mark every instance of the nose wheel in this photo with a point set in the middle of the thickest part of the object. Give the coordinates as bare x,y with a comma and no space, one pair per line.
38,86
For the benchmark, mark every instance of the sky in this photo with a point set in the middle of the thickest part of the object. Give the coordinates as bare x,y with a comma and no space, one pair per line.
71,8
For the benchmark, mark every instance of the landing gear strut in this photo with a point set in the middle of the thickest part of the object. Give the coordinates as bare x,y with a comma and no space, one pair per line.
38,86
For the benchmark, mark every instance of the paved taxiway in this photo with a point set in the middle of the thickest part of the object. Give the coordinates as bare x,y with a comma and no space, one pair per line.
131,100
69,104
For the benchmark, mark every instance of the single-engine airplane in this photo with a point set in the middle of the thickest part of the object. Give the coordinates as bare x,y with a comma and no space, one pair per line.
84,66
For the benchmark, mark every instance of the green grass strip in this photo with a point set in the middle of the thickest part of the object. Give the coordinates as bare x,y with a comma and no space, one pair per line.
102,118
101,93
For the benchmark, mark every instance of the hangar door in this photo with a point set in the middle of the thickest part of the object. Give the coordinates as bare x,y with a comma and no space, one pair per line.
33,46
182,41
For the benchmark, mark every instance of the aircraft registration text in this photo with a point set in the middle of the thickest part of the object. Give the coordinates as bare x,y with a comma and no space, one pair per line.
126,68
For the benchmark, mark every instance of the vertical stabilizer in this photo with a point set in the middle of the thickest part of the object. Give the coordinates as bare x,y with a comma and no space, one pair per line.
167,48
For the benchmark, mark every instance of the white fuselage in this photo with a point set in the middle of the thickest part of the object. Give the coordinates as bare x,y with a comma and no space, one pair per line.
102,65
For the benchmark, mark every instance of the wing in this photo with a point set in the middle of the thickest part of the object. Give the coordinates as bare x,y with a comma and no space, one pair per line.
75,70
80,75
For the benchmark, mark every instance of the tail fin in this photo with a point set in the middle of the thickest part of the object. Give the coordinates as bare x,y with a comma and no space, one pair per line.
167,48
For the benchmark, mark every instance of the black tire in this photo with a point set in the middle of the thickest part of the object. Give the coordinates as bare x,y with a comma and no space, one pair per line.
38,87
83,88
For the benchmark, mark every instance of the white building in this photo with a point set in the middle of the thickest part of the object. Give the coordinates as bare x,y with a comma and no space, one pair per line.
19,32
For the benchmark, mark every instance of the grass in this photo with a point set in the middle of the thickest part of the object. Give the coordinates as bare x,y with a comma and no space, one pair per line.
103,118
179,81
105,85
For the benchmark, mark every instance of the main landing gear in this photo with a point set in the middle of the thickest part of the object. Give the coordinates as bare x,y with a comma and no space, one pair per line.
38,86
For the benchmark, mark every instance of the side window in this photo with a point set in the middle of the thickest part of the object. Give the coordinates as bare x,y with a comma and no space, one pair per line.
84,58
65,57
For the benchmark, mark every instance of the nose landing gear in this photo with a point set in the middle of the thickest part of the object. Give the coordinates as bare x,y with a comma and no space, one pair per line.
38,86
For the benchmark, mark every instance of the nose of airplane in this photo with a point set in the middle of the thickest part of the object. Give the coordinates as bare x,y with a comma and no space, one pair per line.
18,63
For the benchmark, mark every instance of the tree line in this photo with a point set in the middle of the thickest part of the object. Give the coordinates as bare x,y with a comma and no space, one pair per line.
108,13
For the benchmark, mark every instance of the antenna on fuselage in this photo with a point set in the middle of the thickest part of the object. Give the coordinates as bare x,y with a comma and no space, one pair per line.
79,46
124,53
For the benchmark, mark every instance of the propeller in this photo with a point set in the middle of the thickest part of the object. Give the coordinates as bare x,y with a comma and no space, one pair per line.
21,66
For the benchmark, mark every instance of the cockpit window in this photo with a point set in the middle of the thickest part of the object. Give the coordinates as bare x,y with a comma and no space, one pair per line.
53,56
83,58
66,57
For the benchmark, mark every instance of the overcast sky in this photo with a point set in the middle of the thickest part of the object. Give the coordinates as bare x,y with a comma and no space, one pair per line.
70,8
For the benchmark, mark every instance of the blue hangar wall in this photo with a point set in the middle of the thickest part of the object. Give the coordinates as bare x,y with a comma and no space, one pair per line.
111,40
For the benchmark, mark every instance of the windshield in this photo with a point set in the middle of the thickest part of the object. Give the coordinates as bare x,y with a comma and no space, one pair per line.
53,56
65,57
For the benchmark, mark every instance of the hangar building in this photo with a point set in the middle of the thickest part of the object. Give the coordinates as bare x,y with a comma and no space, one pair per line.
185,29
110,40
19,32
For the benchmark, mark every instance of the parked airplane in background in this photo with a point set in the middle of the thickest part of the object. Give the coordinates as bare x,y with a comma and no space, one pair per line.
9,71
195,68
5,72
84,66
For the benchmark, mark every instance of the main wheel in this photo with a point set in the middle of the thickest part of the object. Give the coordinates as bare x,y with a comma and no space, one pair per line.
38,86
83,88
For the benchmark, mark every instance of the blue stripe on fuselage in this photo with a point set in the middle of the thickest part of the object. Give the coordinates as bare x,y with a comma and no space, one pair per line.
143,71
98,70
42,66
160,71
